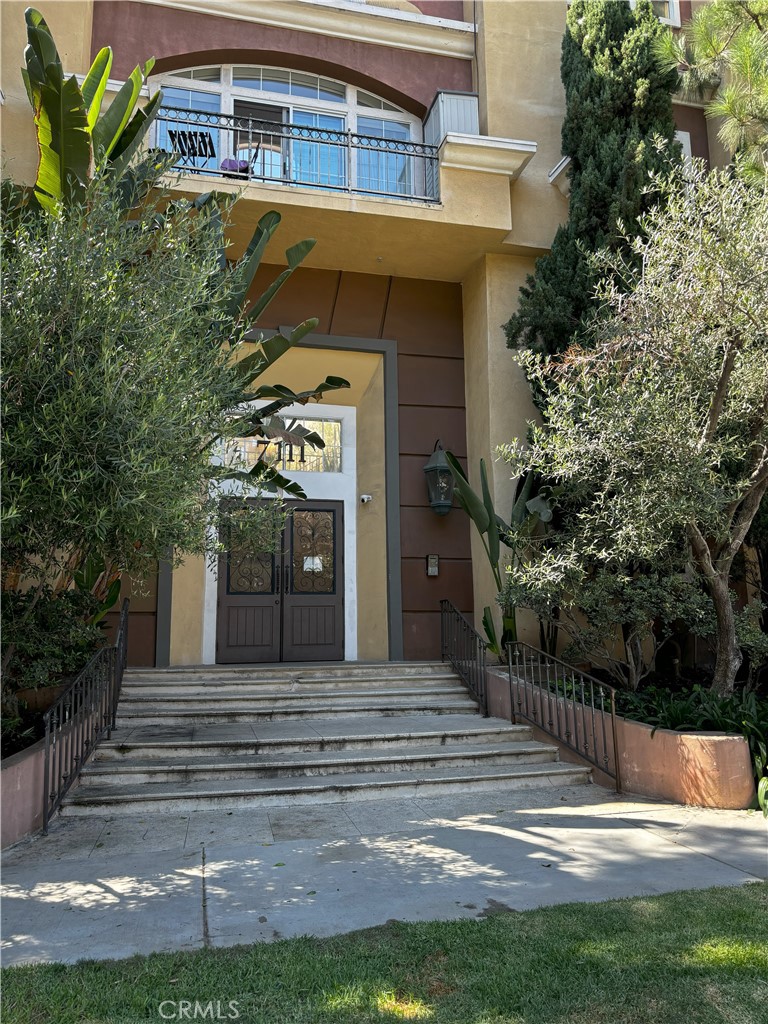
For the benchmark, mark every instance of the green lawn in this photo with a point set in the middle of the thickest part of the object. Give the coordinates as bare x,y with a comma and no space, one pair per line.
686,958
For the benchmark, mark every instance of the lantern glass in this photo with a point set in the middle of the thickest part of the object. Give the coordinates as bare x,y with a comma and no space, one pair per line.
439,481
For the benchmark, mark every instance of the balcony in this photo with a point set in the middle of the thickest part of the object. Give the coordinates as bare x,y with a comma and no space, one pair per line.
245,149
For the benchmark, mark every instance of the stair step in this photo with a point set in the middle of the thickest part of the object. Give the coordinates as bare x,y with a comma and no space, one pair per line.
322,671
212,715
276,684
204,696
143,798
209,742
272,765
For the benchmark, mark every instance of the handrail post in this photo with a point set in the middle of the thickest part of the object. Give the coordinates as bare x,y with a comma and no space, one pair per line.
616,760
46,771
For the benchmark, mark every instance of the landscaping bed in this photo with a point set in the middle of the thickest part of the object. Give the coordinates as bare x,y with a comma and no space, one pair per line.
688,746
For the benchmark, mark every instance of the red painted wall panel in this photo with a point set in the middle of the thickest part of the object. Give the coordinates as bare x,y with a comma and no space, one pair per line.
178,38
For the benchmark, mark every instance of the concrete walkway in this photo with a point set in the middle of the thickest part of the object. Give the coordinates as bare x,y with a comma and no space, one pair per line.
101,889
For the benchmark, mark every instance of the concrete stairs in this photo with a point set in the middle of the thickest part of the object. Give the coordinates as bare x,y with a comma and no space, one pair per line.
192,739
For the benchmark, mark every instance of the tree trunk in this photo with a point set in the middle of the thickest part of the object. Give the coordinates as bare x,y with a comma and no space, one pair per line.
728,651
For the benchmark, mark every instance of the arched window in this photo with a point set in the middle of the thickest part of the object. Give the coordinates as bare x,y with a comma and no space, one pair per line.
279,125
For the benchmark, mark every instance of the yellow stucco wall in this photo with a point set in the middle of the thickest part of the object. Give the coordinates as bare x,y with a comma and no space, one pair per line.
187,612
372,619
498,399
521,97
70,23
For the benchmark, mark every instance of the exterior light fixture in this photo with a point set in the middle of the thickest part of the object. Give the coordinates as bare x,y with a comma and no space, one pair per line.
439,481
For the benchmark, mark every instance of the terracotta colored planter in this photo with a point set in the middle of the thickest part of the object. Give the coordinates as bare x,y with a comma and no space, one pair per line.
705,769
708,769
22,786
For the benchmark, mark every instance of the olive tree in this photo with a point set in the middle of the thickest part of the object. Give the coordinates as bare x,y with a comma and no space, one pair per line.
660,429
131,357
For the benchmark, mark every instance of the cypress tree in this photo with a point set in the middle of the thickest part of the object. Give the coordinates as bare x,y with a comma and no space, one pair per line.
618,99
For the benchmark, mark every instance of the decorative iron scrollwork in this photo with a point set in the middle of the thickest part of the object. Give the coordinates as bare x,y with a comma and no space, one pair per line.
249,573
312,552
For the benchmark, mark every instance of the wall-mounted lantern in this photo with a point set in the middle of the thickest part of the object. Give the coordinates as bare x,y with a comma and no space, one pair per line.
439,481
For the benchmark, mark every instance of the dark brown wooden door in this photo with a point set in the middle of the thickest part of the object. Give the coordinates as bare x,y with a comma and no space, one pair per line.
289,606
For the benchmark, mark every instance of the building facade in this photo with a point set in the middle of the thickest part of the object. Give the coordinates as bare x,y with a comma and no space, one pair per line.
419,143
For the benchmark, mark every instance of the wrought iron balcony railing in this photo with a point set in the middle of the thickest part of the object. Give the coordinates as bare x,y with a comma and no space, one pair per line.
246,149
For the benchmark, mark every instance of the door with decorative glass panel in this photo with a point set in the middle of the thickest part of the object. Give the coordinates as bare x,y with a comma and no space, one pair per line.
289,605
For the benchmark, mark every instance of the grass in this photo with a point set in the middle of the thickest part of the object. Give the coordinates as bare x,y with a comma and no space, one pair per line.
696,957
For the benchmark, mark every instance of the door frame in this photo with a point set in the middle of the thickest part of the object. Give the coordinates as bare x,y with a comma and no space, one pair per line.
318,487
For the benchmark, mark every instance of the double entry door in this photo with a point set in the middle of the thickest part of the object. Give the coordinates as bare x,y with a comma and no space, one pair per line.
289,605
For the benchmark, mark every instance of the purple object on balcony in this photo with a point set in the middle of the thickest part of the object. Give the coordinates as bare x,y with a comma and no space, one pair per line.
233,167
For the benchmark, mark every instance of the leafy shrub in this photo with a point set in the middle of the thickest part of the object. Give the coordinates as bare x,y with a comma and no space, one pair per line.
52,638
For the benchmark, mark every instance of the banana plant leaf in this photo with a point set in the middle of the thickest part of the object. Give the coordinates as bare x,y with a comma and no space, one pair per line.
294,257
39,54
64,150
286,397
490,631
95,84
111,125
134,135
466,497
493,529
270,349
251,260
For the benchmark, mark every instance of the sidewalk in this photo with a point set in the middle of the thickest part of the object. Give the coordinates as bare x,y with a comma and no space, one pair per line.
101,889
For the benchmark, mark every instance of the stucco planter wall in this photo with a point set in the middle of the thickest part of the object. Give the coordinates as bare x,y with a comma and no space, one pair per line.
21,778
700,768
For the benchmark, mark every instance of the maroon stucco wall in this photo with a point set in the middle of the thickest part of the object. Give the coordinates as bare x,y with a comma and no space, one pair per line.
453,9
178,38
425,319
692,119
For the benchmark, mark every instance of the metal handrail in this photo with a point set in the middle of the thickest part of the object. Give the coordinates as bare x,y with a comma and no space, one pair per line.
207,142
465,649
81,716
567,704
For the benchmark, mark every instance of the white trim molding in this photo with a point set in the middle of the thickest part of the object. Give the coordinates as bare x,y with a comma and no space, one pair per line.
558,176
485,153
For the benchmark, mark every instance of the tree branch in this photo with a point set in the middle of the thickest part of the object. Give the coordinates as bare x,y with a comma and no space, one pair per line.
700,550
749,506
721,392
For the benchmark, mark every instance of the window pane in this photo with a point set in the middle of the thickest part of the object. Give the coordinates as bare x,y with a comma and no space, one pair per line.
383,129
381,169
313,541
295,458
195,142
303,85
366,99
207,74
319,162
246,78
275,81
328,90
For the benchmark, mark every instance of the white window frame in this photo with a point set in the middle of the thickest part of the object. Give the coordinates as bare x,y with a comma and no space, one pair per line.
684,138
348,108
674,13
